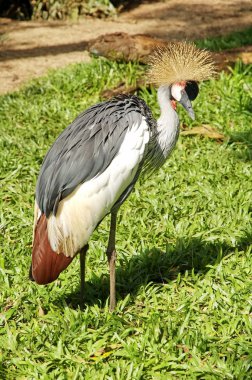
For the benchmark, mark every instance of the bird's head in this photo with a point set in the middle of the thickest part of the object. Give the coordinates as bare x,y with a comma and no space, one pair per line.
180,66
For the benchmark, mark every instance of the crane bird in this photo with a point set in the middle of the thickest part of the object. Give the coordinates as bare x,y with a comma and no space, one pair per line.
94,164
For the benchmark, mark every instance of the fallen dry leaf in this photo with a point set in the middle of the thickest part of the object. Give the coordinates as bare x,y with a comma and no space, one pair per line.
41,311
184,347
104,352
203,130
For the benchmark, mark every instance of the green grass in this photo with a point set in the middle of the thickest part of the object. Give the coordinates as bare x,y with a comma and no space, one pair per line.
184,275
232,40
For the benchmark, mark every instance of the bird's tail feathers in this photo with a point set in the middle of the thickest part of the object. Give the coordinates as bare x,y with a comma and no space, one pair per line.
46,263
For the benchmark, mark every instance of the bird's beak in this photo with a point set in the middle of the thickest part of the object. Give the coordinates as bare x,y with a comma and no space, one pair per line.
186,103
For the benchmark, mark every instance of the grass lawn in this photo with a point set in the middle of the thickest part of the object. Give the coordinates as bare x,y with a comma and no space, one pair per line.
184,276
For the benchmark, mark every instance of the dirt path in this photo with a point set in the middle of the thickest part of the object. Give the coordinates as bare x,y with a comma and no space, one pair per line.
29,49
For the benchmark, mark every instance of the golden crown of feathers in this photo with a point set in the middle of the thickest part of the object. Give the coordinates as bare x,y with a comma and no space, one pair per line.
179,61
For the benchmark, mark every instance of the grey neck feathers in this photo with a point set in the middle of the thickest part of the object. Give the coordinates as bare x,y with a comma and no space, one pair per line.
168,122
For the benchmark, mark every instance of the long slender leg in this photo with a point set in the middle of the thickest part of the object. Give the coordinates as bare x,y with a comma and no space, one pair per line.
111,255
83,253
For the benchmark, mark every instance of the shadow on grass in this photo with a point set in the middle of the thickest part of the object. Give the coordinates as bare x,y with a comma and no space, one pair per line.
3,371
244,140
154,266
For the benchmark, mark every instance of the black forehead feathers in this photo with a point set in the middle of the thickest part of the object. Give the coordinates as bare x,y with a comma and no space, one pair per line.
192,90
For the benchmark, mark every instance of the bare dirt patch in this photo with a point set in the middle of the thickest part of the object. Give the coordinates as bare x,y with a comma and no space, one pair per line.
28,49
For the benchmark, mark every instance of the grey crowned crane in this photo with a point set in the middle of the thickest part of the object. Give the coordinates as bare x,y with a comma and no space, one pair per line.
94,164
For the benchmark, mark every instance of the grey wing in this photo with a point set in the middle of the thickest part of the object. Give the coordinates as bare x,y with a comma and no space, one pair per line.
84,149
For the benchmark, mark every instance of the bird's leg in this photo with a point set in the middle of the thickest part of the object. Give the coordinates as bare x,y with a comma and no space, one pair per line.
83,253
111,255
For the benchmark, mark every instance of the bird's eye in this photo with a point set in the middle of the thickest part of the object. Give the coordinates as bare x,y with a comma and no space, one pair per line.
192,90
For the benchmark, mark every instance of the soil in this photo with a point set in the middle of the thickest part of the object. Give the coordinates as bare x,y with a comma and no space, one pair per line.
28,48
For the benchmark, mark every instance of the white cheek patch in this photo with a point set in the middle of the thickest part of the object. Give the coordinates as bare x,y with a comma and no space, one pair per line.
176,90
